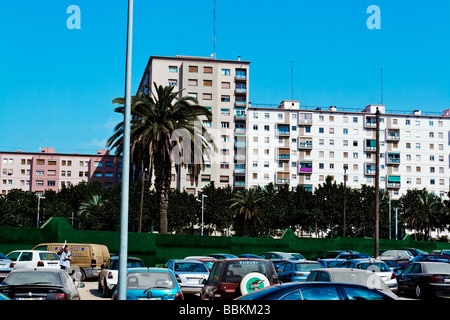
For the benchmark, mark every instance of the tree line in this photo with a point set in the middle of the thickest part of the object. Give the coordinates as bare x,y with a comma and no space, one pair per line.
256,212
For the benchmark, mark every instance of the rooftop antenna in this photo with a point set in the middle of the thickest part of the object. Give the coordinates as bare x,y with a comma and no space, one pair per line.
214,29
292,80
381,69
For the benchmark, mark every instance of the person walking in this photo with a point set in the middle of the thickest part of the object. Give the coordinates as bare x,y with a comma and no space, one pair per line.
65,259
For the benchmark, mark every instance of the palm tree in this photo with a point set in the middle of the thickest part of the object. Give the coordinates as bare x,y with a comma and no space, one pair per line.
91,208
165,129
431,205
246,202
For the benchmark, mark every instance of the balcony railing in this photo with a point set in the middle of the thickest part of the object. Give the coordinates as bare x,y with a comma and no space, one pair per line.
305,145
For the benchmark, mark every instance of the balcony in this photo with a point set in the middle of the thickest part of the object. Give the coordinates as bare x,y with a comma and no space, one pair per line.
240,90
283,154
393,158
393,135
240,103
240,144
305,119
370,169
371,145
283,177
305,167
282,129
305,145
241,117
393,182
370,122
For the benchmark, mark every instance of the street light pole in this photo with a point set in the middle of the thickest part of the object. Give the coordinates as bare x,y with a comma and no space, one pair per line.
39,205
203,209
377,180
345,199
122,281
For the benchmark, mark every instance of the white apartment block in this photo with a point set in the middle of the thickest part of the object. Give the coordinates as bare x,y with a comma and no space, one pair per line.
223,87
303,147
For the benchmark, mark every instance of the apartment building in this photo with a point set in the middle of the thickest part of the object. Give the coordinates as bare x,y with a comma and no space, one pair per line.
303,147
223,87
47,170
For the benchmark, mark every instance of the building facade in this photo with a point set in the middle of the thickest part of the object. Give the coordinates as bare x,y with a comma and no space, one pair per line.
303,147
222,86
47,170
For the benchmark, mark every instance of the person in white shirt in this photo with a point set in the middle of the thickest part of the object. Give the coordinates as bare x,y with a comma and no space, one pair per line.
65,259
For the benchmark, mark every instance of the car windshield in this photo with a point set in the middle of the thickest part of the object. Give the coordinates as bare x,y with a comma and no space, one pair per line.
389,253
32,277
143,280
298,256
190,267
391,263
48,256
332,264
307,266
438,267
373,266
236,270
208,264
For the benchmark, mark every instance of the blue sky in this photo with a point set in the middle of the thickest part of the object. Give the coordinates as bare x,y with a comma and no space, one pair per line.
57,83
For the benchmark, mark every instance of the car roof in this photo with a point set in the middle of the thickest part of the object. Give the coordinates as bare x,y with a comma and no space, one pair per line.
24,270
129,258
140,269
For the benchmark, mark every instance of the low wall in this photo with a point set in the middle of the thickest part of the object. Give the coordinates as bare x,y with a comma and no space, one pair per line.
155,249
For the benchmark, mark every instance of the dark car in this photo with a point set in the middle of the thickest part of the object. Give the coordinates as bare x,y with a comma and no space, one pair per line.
429,257
276,255
425,279
415,252
332,254
292,271
316,291
232,278
352,256
222,256
40,284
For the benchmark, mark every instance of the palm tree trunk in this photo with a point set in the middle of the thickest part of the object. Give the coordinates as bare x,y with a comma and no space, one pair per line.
162,186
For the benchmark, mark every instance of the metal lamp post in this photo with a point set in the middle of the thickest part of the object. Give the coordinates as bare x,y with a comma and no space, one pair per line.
39,205
203,209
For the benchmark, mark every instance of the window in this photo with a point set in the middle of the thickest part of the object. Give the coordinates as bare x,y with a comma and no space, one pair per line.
207,96
173,82
225,111
207,83
207,70
225,72
225,98
225,125
193,68
345,131
40,162
192,82
225,85
173,69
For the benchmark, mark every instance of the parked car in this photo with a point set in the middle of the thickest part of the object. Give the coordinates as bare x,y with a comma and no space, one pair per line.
222,255
393,266
40,284
293,271
275,255
425,279
249,255
232,278
332,254
150,284
4,297
190,274
33,259
351,256
208,261
6,266
317,291
352,276
402,257
415,252
88,257
109,274
331,263
377,266
429,257
440,252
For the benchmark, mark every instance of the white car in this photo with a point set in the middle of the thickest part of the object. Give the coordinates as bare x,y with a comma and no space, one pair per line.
34,258
377,266
190,274
109,274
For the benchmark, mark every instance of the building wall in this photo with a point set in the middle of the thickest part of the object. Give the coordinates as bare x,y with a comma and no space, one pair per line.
47,170
414,148
223,87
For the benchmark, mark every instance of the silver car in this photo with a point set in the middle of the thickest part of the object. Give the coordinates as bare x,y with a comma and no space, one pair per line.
6,266
190,274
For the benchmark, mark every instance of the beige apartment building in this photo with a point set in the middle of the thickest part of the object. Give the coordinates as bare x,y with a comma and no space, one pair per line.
223,87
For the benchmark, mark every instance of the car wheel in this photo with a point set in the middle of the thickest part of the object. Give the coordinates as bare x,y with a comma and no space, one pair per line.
253,281
106,292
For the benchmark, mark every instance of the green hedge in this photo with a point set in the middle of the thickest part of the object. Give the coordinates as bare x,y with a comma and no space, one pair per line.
156,249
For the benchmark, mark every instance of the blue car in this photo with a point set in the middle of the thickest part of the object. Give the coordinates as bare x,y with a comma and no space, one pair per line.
150,284
293,271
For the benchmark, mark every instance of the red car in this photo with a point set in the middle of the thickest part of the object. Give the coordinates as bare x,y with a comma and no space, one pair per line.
231,278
